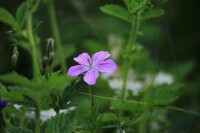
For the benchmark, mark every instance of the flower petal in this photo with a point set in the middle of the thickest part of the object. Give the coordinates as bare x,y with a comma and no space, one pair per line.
83,59
76,70
91,76
100,56
106,66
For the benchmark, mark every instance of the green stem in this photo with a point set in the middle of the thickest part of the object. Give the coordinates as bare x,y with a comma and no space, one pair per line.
127,62
143,125
56,35
90,91
143,103
36,70
37,117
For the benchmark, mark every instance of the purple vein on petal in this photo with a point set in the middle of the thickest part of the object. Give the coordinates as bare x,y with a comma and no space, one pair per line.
91,76
83,59
106,66
76,70
99,56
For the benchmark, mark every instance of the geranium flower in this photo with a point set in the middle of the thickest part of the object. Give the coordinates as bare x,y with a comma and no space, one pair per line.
92,66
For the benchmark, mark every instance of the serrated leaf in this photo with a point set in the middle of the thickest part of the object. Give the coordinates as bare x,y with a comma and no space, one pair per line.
23,90
57,82
21,14
62,123
134,5
10,96
8,19
131,107
18,130
3,90
71,91
152,13
116,11
162,94
16,79
12,110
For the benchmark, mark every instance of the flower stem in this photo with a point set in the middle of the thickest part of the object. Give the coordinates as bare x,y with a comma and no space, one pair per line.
143,103
90,91
36,70
143,124
127,62
37,117
56,35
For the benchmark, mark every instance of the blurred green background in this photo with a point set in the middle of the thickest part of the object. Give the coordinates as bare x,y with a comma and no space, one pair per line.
172,40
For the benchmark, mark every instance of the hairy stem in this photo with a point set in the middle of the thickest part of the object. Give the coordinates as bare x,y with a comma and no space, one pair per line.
37,117
143,124
56,35
36,70
144,103
127,62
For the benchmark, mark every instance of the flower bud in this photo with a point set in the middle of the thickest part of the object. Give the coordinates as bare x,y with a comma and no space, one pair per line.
15,56
14,59
45,62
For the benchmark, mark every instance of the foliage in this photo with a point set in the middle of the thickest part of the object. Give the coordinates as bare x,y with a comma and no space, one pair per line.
139,97
62,123
18,130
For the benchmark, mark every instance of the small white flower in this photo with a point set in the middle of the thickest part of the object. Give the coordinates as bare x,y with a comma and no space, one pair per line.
47,114
17,106
134,87
163,78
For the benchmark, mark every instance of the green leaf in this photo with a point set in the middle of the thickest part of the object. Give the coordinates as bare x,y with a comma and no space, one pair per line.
134,5
18,130
57,82
62,123
25,45
159,1
131,107
116,11
21,14
3,90
162,94
23,90
71,90
16,79
11,110
8,19
107,117
10,95
152,13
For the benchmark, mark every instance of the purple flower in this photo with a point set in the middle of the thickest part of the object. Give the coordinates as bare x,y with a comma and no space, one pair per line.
92,66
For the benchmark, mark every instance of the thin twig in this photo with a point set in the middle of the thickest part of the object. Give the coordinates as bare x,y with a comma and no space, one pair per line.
143,103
